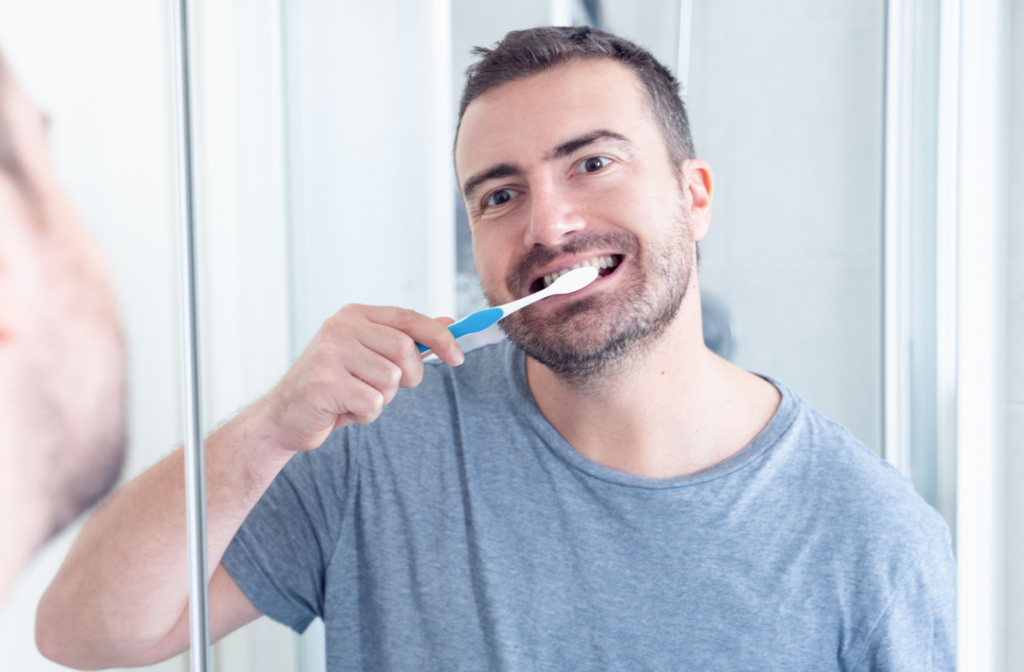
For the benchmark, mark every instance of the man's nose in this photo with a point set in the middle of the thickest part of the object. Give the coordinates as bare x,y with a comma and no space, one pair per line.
553,218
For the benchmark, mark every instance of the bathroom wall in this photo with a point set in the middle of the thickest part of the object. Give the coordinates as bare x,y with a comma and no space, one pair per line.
786,104
369,127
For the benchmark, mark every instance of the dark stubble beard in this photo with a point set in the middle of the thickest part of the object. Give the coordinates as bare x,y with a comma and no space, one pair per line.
75,397
604,335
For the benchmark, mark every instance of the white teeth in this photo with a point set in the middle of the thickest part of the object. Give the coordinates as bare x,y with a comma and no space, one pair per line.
597,262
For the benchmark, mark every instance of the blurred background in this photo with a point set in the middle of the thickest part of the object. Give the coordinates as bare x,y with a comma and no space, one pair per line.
866,246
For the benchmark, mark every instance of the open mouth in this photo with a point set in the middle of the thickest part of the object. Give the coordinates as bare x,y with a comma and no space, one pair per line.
606,265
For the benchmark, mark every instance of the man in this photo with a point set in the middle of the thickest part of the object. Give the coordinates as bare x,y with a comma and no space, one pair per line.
61,353
602,492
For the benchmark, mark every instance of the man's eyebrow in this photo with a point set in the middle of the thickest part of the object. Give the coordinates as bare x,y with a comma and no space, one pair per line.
570,147
492,173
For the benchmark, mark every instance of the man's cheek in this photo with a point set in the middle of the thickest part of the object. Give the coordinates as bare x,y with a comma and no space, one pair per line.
494,289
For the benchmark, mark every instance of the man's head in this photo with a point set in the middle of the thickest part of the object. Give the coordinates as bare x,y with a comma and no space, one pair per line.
574,145
62,364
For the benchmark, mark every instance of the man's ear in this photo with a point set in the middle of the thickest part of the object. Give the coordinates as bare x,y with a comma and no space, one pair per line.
699,185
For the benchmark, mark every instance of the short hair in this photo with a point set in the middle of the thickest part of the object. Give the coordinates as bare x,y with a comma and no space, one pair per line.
523,53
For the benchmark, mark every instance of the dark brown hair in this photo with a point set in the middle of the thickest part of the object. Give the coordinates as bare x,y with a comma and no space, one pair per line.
528,52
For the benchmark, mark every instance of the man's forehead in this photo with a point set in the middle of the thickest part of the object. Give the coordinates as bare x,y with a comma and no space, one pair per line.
524,119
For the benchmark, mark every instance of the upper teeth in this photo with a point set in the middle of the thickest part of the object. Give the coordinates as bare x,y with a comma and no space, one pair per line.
597,262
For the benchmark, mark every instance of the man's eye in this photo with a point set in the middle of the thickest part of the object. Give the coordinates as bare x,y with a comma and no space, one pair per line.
501,197
593,165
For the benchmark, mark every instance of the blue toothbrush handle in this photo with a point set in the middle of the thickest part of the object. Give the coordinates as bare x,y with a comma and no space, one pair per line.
471,324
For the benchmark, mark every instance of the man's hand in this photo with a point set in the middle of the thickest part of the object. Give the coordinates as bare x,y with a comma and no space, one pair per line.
351,369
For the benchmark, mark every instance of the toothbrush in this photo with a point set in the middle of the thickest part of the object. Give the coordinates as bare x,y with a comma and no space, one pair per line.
567,283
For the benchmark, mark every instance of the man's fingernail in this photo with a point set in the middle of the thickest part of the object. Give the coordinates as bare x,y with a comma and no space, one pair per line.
457,357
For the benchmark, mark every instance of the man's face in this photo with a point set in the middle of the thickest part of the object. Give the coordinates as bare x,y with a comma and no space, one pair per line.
61,345
567,167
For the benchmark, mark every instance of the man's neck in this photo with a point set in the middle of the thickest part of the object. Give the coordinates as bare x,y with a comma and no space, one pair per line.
676,411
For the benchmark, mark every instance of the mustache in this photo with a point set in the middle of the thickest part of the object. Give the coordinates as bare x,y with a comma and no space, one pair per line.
524,270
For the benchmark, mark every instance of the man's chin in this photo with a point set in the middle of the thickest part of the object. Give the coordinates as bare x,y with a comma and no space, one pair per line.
576,341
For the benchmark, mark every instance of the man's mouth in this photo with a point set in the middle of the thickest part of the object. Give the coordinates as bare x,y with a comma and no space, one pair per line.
605,265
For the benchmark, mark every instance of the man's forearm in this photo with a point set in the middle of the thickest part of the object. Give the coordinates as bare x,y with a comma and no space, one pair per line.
124,585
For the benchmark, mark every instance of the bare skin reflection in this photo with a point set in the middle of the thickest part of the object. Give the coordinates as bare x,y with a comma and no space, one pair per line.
62,360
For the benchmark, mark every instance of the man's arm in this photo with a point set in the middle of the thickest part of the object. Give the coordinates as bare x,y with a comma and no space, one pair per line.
121,596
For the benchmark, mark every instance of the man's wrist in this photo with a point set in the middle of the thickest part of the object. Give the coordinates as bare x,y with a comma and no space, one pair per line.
258,439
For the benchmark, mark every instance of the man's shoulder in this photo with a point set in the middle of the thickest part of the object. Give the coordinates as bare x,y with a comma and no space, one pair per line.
862,499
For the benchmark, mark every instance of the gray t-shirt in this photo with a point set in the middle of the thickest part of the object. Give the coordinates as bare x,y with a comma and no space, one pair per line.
461,532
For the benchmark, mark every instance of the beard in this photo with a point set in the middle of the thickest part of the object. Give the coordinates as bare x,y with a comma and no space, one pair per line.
74,401
604,333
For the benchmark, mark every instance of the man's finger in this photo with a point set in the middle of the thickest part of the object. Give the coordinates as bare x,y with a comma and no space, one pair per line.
377,371
359,400
421,329
395,346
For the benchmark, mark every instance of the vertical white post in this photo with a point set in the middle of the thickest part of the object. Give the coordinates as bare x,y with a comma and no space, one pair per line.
981,326
195,478
685,37
898,136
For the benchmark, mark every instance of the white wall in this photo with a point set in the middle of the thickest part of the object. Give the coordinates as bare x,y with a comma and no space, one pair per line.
370,179
785,101
101,71
1015,359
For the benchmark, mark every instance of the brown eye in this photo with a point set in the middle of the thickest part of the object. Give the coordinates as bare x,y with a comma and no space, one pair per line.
501,197
594,164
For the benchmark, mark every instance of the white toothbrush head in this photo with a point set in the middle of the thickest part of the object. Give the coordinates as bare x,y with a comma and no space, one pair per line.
573,281
566,284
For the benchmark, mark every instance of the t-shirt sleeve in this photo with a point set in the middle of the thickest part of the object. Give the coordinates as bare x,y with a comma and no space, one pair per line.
917,630
279,555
